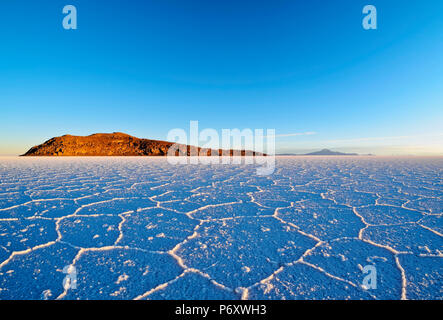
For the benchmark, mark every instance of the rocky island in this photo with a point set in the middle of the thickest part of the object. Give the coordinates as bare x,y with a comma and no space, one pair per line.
120,144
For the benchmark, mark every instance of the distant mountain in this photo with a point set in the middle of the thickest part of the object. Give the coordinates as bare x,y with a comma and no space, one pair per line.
327,152
323,152
119,144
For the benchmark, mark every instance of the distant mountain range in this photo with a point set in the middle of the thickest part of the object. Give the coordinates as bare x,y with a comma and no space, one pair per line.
327,152
120,144
323,152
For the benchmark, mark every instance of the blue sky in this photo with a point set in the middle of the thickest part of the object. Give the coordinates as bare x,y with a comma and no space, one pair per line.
145,67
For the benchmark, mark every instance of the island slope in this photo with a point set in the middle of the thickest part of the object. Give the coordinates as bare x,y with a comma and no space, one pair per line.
119,144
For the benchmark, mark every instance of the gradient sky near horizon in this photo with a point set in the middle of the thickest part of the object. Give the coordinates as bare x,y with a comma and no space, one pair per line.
304,68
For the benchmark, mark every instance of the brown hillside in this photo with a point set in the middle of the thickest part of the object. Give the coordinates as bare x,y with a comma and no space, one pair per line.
114,144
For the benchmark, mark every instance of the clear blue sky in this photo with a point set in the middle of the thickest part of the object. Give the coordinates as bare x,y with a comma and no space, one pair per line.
145,67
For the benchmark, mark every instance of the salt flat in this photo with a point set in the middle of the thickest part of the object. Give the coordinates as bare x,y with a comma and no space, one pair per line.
140,228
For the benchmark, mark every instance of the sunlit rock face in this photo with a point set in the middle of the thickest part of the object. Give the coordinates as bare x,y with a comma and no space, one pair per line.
101,144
